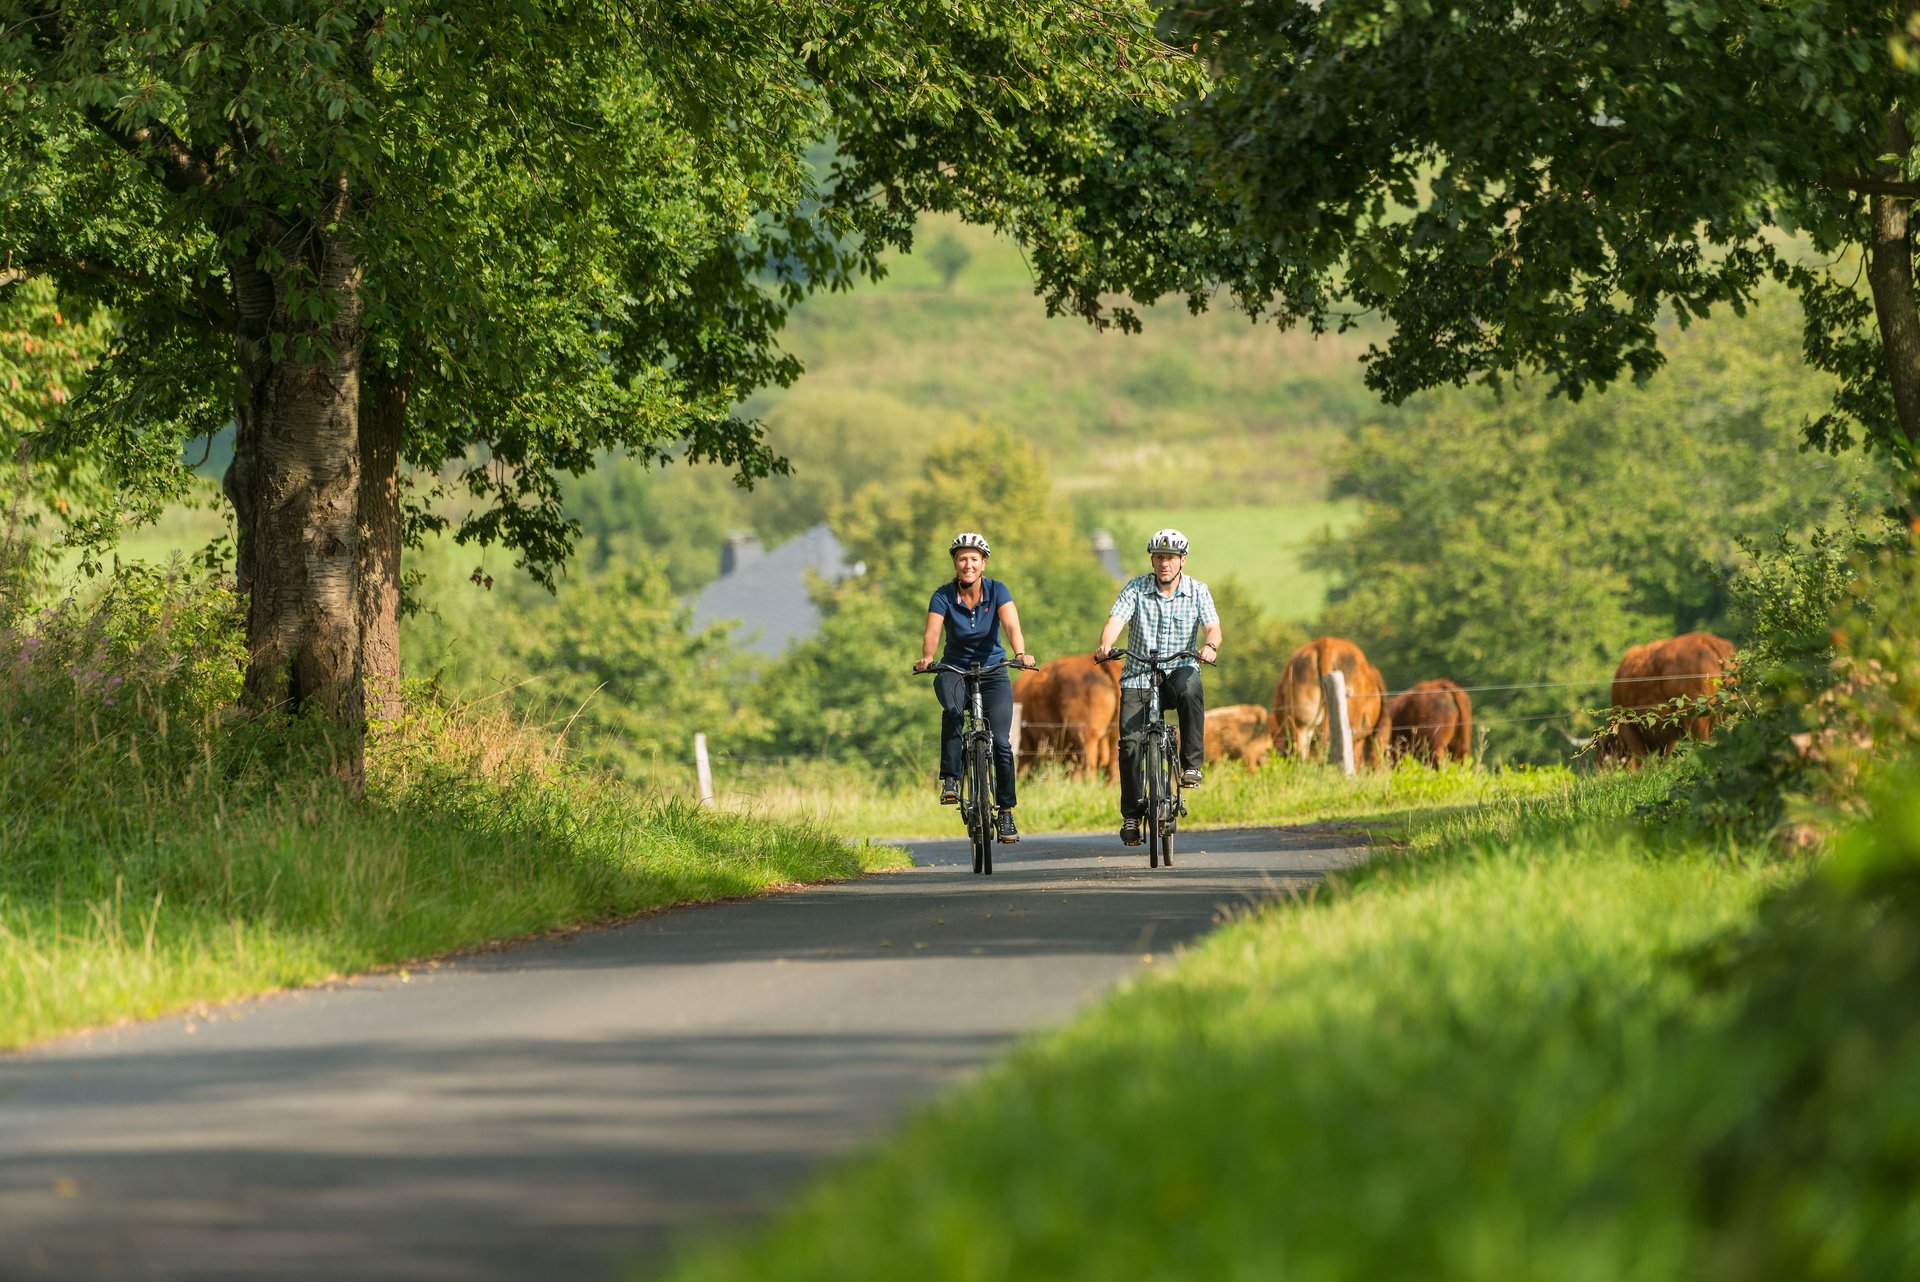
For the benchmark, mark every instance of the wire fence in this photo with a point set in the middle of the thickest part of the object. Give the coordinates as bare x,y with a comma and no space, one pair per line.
1577,683
1057,740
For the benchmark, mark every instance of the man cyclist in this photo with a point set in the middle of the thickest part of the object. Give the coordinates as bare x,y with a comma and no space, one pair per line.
970,609
1164,609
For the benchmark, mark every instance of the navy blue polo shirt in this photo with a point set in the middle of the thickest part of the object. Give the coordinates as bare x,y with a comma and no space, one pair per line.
973,635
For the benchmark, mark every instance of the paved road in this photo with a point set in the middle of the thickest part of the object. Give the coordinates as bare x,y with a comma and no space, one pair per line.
555,1108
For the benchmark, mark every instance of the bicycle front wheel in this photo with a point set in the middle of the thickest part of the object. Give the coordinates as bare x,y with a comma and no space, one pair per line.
1156,789
980,769
1170,819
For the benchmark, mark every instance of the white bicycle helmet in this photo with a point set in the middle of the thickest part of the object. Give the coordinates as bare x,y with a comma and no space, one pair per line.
968,539
1167,541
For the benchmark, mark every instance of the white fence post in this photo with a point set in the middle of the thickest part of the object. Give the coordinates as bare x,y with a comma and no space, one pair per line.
1014,736
1333,692
703,768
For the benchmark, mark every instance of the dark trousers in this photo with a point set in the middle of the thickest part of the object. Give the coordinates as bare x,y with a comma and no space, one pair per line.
996,699
1179,692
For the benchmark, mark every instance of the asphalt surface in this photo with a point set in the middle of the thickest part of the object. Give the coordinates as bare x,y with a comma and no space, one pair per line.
566,1107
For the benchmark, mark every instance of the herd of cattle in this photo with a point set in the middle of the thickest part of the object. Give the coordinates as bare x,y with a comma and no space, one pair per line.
1070,709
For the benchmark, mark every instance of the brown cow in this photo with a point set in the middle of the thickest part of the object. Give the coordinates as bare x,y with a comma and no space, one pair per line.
1242,731
1299,717
1432,722
1070,709
1651,675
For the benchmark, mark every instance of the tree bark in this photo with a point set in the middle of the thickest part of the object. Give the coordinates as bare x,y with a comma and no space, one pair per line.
295,486
383,412
1890,271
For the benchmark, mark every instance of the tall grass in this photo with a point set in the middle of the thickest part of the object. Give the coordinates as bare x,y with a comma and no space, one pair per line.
157,852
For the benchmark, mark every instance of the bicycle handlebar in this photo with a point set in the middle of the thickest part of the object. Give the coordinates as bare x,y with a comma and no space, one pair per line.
1155,660
987,671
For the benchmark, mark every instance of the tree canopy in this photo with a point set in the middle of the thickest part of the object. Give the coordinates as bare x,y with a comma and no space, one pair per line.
1532,188
503,238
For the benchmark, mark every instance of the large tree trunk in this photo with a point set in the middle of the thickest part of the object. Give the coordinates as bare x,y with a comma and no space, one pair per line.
1890,270
295,486
383,413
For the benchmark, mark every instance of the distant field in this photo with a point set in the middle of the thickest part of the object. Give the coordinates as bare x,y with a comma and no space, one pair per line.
1247,410
181,530
1259,544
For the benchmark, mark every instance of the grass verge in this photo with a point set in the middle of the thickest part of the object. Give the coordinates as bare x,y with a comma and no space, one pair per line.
1543,1045
861,802
155,856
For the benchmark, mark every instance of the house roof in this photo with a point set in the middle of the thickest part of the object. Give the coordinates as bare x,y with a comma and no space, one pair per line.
768,596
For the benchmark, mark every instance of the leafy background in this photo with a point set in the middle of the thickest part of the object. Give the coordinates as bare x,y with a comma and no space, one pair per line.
1509,540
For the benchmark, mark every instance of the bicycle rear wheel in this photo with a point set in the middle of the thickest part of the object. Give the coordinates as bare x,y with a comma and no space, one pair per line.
980,767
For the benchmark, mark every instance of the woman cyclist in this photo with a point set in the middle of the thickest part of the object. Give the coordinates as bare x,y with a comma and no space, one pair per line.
971,609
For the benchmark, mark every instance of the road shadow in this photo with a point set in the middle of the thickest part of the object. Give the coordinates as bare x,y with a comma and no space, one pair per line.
547,1182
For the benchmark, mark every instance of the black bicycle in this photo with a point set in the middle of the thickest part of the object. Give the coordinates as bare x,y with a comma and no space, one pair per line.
976,762
1160,763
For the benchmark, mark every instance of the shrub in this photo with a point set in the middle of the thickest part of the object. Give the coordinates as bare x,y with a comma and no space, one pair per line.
1791,682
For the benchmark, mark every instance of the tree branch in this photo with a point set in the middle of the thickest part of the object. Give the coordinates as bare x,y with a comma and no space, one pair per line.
181,168
1870,186
212,308
1896,303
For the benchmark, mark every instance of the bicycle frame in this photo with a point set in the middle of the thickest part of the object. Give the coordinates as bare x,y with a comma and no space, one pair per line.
976,758
1164,806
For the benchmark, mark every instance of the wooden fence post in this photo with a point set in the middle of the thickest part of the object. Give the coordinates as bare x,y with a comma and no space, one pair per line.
1333,693
1014,736
703,769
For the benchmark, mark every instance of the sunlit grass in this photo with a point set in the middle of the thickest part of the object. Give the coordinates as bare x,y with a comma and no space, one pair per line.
148,870
861,803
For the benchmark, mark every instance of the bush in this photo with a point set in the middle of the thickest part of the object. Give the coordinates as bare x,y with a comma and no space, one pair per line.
1793,689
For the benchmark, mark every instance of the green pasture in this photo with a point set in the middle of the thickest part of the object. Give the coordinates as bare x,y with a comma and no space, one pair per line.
183,529
1263,546
1211,404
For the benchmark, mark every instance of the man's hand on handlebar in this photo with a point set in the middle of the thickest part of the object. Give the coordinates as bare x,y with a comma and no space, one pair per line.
922,665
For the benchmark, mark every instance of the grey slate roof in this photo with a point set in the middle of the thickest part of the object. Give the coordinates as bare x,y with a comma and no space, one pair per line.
768,594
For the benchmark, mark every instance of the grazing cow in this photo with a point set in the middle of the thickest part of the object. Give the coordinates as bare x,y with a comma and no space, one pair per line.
1654,674
1432,722
1299,717
1242,732
1070,708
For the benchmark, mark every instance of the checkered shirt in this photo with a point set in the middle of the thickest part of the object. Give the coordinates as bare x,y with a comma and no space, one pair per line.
1159,623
